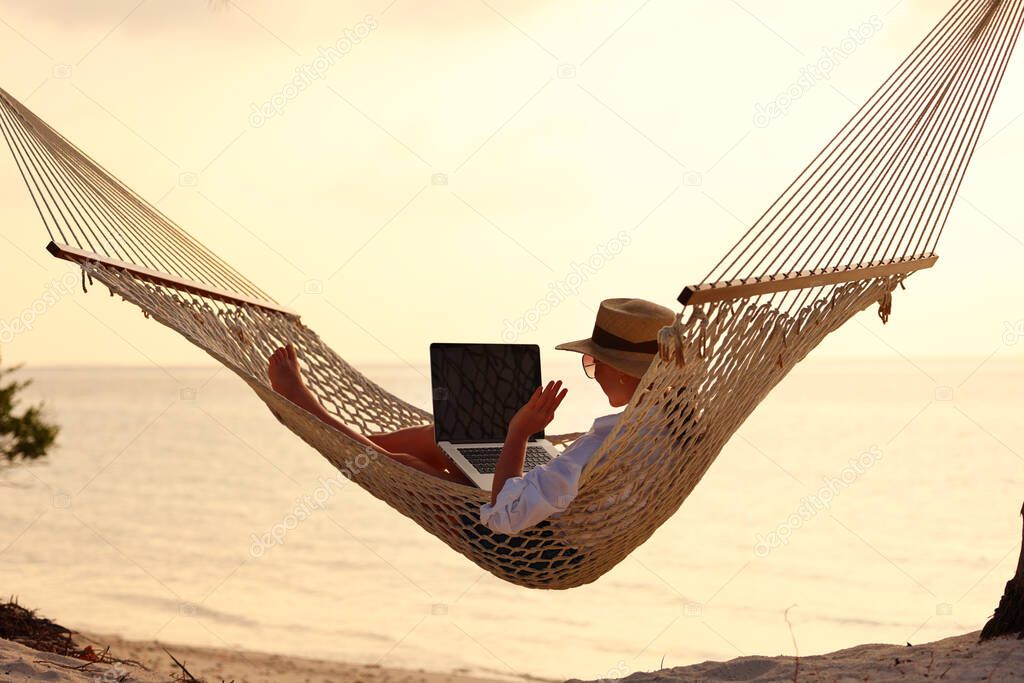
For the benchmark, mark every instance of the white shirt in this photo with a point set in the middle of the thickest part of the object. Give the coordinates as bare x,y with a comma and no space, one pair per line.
548,489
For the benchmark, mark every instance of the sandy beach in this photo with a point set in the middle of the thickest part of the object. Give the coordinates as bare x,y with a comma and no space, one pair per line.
212,665
960,658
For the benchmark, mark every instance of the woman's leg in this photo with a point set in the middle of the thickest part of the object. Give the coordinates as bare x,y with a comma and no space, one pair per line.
419,442
413,446
409,440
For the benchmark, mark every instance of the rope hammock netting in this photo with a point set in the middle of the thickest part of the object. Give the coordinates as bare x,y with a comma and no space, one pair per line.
867,212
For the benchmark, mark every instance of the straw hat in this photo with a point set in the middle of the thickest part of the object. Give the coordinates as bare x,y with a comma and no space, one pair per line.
625,334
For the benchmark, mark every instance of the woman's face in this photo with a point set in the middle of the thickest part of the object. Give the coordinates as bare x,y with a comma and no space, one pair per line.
617,386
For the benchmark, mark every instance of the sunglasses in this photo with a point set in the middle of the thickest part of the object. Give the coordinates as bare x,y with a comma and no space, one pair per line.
588,365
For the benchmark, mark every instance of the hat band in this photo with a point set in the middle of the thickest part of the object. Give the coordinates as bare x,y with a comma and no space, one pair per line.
603,337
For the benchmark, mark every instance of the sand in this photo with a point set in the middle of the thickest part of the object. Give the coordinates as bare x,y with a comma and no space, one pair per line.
960,658
19,663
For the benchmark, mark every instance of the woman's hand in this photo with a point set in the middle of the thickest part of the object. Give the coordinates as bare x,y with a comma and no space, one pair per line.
538,411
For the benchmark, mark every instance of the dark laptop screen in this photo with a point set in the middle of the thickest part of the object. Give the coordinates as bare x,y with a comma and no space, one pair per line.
477,388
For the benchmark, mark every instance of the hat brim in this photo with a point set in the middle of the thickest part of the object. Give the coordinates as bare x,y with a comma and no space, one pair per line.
634,364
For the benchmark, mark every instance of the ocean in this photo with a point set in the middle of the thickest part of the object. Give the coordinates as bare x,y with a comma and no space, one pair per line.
867,500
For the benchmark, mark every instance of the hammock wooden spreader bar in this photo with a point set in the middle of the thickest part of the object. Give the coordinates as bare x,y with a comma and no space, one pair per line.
861,218
63,251
821,277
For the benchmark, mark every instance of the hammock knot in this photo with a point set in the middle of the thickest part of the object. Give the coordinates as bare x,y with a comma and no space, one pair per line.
672,339
700,318
885,306
670,344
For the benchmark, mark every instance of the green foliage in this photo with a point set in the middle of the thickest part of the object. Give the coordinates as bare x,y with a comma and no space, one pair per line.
26,436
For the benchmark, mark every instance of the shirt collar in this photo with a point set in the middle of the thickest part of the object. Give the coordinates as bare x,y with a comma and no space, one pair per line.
606,422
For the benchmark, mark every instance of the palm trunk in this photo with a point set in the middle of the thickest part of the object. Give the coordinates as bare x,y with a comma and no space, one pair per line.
1009,615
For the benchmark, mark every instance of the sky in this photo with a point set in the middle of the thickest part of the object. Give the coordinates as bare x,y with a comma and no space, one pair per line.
447,166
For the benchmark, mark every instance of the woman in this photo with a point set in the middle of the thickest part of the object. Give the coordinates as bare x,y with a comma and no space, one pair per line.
622,346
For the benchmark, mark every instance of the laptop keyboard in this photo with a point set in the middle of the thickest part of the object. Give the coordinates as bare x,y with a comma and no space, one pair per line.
485,460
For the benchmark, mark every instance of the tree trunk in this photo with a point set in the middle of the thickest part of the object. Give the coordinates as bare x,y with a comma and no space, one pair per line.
1009,616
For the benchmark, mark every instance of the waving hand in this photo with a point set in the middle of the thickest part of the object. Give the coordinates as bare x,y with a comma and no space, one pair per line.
538,411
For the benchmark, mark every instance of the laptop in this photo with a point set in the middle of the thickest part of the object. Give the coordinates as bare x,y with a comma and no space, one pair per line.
476,389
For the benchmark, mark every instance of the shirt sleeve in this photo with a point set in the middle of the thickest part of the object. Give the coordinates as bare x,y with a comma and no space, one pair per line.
543,491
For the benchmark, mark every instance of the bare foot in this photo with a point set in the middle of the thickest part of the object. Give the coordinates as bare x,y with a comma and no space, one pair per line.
286,378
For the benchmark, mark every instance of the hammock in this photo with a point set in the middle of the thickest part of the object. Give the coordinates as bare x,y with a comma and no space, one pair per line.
866,213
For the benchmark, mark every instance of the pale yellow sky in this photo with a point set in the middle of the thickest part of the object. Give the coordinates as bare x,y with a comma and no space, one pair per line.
472,156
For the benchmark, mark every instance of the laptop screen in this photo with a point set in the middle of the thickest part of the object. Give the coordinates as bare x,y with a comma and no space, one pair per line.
477,388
